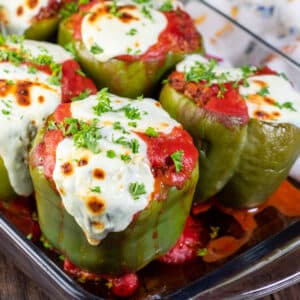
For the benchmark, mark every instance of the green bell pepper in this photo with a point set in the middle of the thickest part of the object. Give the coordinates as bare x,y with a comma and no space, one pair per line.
43,29
243,163
124,78
6,190
152,233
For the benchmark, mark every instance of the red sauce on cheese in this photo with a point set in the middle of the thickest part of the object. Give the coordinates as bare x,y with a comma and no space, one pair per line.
180,35
49,11
229,104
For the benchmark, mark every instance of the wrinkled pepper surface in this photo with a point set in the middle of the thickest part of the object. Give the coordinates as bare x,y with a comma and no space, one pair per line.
133,75
242,159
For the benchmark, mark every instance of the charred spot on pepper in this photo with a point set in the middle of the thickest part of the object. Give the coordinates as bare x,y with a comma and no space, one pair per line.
83,161
20,10
67,168
99,173
95,204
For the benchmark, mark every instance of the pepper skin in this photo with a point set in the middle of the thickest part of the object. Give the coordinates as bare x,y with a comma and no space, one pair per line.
242,161
42,29
126,75
152,233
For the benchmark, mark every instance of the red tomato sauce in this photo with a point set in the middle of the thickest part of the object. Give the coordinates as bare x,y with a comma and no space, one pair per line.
159,150
180,35
230,103
49,11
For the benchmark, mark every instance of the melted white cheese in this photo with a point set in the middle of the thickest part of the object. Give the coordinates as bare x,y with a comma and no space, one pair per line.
76,188
19,123
17,15
269,98
114,36
280,104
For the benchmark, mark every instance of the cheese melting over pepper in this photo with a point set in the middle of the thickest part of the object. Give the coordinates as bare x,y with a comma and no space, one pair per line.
26,98
121,28
104,187
269,98
17,15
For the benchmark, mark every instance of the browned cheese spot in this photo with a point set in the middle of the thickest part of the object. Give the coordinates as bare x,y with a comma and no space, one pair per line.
261,83
41,99
97,225
20,10
22,93
262,115
157,104
62,191
95,204
276,114
31,4
3,16
67,168
5,88
83,161
99,173
269,100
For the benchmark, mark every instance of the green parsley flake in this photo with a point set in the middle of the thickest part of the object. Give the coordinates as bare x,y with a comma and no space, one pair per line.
82,95
80,72
214,231
70,47
166,6
104,103
131,112
32,69
263,92
132,32
136,190
110,153
126,157
202,252
150,131
177,158
96,189
285,105
96,49
5,112
114,9
132,124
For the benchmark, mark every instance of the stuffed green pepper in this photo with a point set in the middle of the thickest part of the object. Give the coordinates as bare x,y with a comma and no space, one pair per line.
37,20
35,77
129,45
114,180
245,123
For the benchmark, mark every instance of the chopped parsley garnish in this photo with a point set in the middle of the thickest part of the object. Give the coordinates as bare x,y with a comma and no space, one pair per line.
131,112
263,91
133,144
132,31
177,158
286,105
80,72
201,72
96,189
114,9
96,49
87,136
82,95
117,126
141,97
146,12
136,190
214,231
125,157
202,252
5,112
111,154
166,6
283,75
150,131
70,47
32,69
69,9
29,236
104,103
12,56
132,124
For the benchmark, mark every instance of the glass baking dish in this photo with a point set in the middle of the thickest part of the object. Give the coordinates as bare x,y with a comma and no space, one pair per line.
258,269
